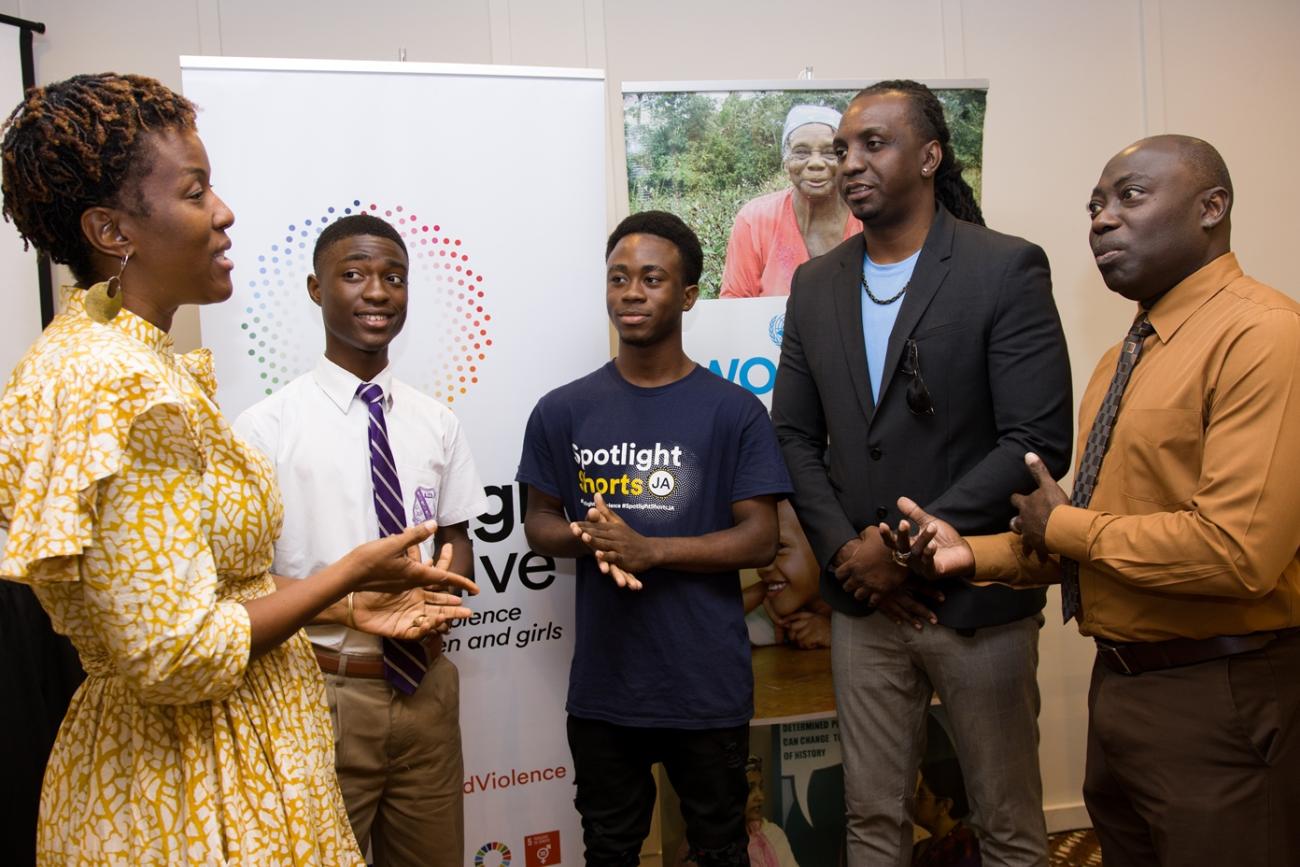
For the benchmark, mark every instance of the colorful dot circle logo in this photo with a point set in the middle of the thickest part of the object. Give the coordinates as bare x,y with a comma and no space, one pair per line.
492,854
281,325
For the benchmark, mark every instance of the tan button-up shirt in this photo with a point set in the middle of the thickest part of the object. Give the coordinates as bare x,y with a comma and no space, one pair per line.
1194,526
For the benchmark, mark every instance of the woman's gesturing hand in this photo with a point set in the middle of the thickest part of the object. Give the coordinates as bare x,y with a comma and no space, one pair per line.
408,615
392,564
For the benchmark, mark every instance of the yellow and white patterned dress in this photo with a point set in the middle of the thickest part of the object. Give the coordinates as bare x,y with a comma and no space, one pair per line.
142,523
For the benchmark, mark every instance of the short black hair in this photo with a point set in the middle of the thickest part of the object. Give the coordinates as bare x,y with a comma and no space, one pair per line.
1204,160
351,226
670,227
944,778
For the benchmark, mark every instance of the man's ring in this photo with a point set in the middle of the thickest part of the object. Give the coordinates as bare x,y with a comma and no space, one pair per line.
900,558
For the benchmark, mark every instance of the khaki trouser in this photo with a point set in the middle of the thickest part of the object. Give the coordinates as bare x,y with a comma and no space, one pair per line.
399,764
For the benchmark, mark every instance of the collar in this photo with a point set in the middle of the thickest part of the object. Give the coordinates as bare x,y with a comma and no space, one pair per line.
126,322
340,386
1178,304
901,265
938,241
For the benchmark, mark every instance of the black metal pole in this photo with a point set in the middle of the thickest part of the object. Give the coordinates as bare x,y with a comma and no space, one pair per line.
44,279
23,23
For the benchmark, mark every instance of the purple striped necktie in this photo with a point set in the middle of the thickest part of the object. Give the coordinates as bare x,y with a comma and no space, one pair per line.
404,661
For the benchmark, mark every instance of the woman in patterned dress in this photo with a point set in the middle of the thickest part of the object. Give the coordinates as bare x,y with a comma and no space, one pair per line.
145,527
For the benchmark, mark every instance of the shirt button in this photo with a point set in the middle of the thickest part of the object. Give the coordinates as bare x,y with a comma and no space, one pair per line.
875,453
882,513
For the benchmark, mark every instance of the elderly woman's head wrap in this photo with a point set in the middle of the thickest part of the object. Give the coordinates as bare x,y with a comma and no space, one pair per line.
802,115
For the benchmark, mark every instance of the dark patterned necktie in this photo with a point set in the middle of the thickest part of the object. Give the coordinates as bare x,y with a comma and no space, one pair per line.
1095,449
404,661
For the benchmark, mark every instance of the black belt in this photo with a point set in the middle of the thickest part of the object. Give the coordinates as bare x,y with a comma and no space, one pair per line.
1139,657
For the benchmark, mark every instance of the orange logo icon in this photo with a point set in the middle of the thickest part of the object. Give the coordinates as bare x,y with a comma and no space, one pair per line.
542,850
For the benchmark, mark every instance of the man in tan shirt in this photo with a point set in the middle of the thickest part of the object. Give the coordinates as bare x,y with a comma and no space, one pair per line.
1186,541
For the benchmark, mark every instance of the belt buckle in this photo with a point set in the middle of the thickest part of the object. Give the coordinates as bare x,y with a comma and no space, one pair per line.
1115,654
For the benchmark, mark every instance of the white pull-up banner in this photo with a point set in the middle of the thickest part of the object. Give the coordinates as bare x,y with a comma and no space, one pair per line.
495,177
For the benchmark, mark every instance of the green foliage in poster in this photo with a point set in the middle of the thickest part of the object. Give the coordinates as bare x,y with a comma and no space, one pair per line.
703,155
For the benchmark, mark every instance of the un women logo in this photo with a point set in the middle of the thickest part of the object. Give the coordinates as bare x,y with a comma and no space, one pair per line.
776,328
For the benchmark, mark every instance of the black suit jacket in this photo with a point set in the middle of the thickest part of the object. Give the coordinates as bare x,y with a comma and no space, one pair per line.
993,357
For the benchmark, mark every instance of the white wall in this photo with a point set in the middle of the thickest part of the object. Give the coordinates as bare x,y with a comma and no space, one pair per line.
1070,84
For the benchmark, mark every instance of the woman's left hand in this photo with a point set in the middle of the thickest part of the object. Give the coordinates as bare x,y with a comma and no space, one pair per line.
411,614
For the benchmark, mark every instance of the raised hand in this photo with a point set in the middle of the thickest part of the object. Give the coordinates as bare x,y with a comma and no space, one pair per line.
388,565
1035,508
937,551
408,615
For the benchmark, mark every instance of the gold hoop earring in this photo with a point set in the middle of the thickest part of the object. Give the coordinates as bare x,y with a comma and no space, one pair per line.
104,299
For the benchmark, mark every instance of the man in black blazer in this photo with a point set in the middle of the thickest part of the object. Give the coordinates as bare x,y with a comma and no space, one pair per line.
923,357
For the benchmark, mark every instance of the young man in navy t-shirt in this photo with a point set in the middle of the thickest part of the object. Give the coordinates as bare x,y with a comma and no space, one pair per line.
662,480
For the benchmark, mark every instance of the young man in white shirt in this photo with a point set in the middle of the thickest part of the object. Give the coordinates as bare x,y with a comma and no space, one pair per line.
353,461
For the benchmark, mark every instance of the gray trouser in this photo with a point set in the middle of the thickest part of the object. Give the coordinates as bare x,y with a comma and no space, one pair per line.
884,677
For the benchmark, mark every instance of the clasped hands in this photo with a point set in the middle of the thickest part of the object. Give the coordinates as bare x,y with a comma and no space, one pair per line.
808,628
620,551
939,551
866,569
401,596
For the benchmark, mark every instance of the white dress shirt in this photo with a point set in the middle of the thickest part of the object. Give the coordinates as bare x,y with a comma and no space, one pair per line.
316,432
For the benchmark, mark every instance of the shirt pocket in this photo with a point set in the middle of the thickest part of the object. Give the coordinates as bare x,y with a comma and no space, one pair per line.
421,487
1162,454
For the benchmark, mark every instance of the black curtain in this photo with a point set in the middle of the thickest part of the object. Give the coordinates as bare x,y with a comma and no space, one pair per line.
39,672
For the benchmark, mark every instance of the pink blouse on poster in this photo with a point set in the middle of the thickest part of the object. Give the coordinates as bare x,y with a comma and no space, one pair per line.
766,246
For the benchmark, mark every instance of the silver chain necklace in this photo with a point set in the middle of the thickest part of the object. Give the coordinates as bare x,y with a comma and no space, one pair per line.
883,302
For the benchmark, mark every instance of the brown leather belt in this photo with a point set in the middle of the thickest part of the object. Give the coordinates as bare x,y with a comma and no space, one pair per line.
1140,657
368,664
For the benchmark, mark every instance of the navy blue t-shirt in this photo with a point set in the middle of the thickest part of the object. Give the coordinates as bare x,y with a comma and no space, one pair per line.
671,461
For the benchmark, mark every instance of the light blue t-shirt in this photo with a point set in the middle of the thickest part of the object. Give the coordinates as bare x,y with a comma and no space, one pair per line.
878,319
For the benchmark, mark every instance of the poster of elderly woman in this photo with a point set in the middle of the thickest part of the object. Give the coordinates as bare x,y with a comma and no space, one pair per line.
751,167
777,232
